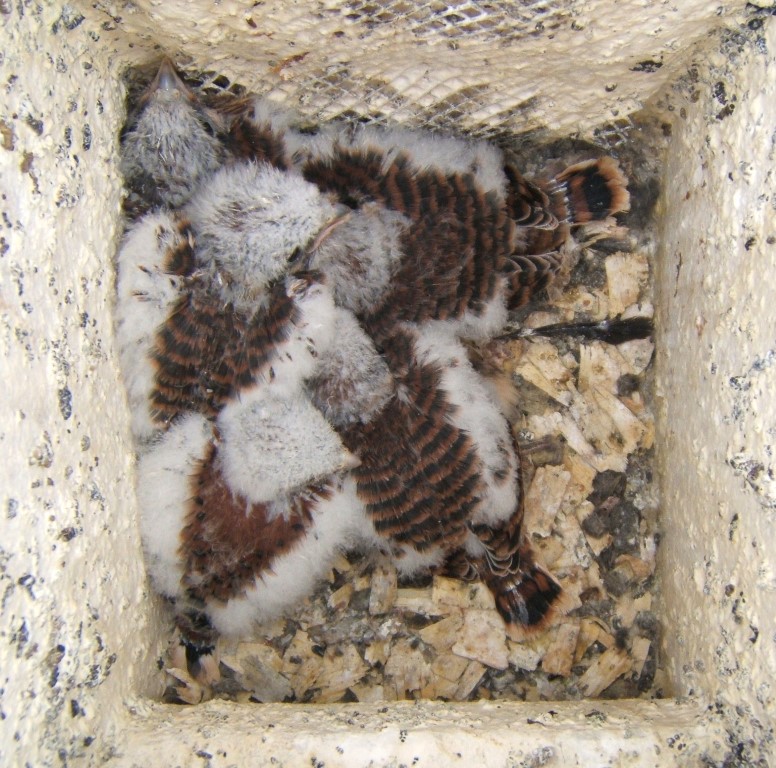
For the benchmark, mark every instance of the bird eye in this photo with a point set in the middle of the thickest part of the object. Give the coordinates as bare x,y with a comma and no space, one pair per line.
296,254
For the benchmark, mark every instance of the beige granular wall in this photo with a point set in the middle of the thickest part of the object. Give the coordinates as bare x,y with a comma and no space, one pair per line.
80,630
716,367
77,618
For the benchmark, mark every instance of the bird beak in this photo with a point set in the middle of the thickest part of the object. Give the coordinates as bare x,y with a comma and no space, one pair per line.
304,261
344,214
350,460
168,79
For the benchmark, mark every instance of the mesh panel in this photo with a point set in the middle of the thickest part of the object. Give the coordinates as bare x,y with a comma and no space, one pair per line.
538,68
509,21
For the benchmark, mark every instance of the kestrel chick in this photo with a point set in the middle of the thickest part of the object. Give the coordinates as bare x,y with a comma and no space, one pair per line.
170,144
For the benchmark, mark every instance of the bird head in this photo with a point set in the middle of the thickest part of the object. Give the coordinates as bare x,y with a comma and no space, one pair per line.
170,143
274,444
251,223
359,251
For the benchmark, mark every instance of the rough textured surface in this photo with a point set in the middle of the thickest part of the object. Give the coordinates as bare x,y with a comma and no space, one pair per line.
72,581
562,66
717,416
601,734
73,589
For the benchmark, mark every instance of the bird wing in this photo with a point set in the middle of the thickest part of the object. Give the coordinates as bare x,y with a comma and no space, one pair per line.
419,476
226,542
205,351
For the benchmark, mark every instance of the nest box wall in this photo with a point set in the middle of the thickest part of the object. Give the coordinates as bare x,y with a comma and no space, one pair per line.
80,627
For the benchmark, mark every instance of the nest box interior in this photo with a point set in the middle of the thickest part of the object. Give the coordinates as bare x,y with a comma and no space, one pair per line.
82,629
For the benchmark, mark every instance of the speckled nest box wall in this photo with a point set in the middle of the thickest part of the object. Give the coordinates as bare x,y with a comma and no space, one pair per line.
80,627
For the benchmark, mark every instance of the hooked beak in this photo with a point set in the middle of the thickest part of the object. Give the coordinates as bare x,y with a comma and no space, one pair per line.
168,79
344,213
350,460
302,260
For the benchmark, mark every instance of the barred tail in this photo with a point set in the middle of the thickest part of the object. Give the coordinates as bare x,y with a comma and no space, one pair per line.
594,190
192,661
527,597
528,205
528,275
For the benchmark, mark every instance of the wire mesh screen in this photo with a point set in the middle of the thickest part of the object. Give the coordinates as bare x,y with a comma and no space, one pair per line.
495,69
421,91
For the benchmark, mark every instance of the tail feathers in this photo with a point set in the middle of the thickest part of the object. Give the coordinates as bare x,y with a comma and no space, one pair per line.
196,650
526,594
615,331
192,663
529,275
543,241
527,204
595,190
528,597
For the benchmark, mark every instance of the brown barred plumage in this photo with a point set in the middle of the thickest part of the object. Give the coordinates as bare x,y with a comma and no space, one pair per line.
227,541
205,352
435,282
456,248
191,349
247,140
419,475
463,240
528,205
179,259
526,594
528,275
